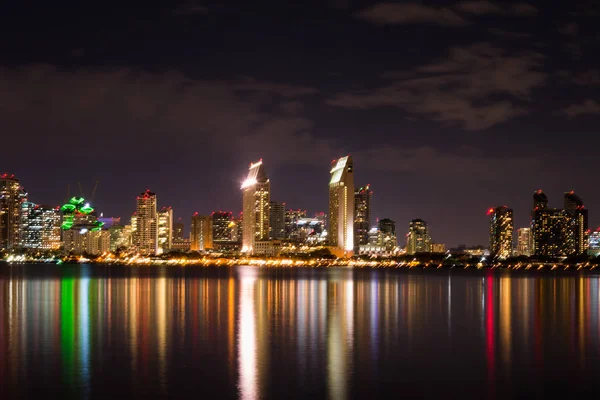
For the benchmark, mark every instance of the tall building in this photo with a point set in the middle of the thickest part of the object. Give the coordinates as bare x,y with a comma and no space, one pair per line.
165,229
576,225
501,232
221,226
341,205
201,231
178,229
292,217
362,215
11,196
418,239
256,191
277,221
524,242
146,231
387,227
40,227
594,243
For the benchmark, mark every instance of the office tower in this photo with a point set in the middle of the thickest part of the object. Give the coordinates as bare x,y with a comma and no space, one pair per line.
146,232
40,227
594,243
256,196
291,223
201,230
387,227
547,228
165,229
277,221
362,215
341,205
418,239
501,232
524,242
221,226
178,229
11,196
576,225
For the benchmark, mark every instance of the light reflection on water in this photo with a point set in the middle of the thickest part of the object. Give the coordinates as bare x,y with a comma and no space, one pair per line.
247,332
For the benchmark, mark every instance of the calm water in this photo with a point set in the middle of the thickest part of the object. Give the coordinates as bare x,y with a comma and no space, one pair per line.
98,332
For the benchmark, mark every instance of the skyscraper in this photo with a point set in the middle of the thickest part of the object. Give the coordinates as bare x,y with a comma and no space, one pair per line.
341,205
524,242
277,221
40,227
221,226
418,239
146,232
387,227
292,217
11,196
547,228
201,230
576,225
165,229
255,202
178,229
362,216
501,232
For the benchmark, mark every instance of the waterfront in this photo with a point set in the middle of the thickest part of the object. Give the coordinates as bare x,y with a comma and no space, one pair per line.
97,331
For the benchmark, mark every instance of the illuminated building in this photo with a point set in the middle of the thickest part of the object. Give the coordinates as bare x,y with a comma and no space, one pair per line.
165,229
277,221
88,242
109,221
256,197
40,227
576,225
362,215
178,229
291,224
146,232
387,227
547,228
438,248
201,233
11,196
524,242
594,243
341,205
418,239
310,231
501,232
221,226
269,248
120,237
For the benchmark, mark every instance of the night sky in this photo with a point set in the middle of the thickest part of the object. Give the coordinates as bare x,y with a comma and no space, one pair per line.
448,108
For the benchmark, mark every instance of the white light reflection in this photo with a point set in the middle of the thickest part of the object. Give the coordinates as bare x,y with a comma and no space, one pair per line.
248,384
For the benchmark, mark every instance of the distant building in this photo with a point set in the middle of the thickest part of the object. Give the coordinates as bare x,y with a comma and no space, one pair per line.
576,225
221,226
165,229
269,248
90,242
501,232
438,248
524,242
291,224
201,233
341,205
277,221
120,237
178,229
387,227
362,215
181,244
146,232
40,227
418,239
109,221
594,243
11,197
256,196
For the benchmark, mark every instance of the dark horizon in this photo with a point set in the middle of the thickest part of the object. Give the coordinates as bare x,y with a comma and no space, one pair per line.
448,108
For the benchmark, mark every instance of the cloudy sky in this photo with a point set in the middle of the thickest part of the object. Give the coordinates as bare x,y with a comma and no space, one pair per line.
447,107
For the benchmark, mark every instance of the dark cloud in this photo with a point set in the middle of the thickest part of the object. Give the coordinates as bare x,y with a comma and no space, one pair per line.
462,88
588,107
190,9
524,9
410,13
570,29
586,78
510,34
479,7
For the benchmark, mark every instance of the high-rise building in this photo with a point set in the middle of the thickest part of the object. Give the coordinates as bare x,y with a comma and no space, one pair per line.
201,230
418,239
291,224
387,227
178,229
362,215
256,191
165,229
11,196
40,227
594,243
501,232
277,221
341,205
87,242
146,232
524,242
576,225
221,226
